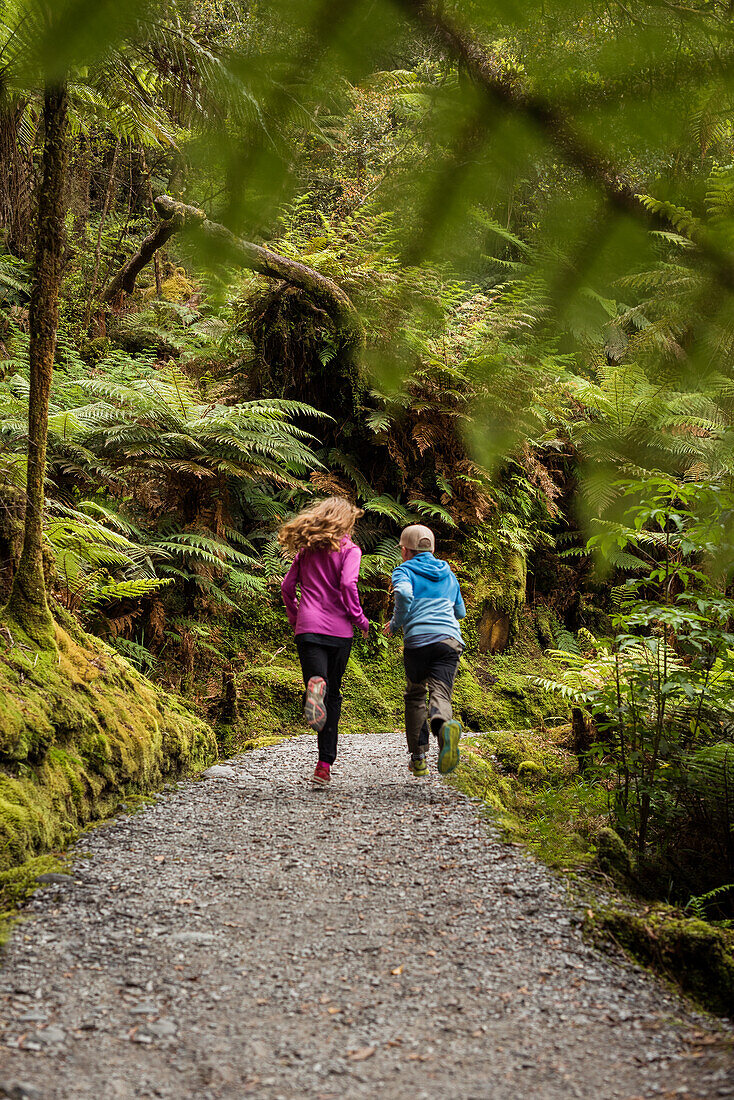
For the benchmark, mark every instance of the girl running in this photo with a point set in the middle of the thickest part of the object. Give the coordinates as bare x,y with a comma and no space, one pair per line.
325,567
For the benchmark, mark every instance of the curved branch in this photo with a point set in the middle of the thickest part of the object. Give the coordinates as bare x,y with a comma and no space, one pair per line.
124,281
322,290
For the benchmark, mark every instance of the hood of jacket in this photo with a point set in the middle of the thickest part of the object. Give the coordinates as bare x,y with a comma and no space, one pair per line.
428,567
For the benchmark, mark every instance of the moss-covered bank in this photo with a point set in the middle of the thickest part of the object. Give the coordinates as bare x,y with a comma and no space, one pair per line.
79,730
696,955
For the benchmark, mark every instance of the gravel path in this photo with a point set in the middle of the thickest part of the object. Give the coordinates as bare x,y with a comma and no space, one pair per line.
253,937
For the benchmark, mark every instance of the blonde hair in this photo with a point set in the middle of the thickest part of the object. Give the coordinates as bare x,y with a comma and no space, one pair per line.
320,527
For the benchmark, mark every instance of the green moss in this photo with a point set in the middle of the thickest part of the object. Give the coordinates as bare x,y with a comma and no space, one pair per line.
259,743
175,287
373,689
613,856
532,787
477,777
545,625
531,772
79,730
18,883
696,955
95,350
494,581
497,692
269,702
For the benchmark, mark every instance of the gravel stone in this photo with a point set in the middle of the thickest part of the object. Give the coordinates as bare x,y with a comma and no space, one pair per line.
161,1028
51,1035
219,771
20,1092
373,939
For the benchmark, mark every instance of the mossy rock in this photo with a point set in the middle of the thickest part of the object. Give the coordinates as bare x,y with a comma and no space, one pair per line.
176,286
477,777
373,693
532,789
528,755
269,704
613,855
545,627
79,730
696,955
18,883
531,772
95,350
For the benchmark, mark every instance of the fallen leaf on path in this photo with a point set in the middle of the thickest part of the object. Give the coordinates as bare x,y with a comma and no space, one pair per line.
397,970
333,1010
362,1054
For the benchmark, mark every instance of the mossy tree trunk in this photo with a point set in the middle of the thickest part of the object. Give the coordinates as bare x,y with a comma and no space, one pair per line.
28,604
497,599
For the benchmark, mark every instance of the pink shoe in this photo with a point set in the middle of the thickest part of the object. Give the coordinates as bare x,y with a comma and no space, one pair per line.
314,709
322,775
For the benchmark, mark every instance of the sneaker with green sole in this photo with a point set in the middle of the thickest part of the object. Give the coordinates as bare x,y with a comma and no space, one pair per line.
419,767
449,736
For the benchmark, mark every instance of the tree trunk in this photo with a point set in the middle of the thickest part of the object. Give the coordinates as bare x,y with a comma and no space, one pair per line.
28,604
98,251
16,179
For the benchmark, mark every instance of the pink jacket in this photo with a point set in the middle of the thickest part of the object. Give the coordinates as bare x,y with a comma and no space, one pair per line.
329,601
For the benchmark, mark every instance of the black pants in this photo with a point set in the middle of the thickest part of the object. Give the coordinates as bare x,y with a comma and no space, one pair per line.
328,661
430,670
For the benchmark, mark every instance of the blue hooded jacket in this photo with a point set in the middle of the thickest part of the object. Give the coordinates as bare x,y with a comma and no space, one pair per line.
428,601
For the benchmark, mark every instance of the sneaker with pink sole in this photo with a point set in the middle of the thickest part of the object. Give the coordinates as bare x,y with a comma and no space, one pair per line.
314,707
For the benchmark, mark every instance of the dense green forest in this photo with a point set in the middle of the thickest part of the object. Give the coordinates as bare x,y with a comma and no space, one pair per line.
468,264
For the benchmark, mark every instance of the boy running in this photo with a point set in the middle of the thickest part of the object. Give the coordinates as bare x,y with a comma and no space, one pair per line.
428,605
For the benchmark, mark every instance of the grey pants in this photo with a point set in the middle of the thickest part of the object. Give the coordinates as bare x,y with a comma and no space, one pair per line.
430,671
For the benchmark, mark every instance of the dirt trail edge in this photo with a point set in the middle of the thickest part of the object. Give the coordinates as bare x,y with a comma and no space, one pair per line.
250,936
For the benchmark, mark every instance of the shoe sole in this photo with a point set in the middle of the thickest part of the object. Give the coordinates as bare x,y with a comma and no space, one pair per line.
448,757
320,784
314,710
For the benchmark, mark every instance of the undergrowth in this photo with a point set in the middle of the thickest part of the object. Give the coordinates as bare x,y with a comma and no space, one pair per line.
529,780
